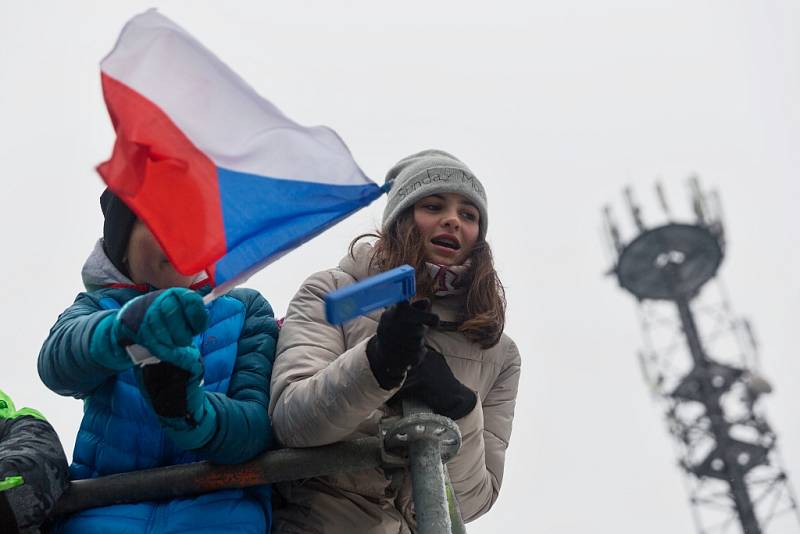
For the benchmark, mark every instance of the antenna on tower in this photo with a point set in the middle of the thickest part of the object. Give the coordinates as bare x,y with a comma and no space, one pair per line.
635,209
700,205
727,448
612,232
662,199
718,224
707,209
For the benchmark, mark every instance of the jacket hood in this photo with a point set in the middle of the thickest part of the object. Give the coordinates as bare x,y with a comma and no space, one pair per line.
98,270
357,263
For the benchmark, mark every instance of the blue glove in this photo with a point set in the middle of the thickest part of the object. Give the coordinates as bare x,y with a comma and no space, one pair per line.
104,346
164,322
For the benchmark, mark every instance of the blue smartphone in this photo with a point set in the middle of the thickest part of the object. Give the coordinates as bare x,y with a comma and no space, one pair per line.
375,292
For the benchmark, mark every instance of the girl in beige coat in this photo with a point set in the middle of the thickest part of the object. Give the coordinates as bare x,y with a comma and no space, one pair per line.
447,349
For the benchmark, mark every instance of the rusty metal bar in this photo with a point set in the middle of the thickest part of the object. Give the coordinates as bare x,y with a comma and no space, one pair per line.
202,477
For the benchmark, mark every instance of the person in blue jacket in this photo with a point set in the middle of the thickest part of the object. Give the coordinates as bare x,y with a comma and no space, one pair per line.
206,399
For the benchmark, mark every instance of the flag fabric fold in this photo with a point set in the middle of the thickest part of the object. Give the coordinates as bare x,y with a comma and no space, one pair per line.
226,182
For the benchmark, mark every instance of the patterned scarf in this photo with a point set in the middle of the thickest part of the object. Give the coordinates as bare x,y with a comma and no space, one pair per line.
449,279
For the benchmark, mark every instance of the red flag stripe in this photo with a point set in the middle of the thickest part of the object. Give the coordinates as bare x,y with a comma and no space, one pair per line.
166,180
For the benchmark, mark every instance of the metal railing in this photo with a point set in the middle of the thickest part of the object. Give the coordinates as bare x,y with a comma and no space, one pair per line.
420,439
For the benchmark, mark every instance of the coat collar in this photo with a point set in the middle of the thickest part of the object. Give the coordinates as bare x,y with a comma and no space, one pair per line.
449,308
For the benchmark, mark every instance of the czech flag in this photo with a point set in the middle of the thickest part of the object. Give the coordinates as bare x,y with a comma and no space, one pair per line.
224,180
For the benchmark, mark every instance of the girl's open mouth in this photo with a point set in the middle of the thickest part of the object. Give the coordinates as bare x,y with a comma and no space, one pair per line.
446,242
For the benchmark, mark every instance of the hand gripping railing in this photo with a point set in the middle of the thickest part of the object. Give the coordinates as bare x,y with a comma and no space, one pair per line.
420,439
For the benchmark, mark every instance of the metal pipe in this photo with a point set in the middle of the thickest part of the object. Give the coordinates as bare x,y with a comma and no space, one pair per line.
202,477
427,479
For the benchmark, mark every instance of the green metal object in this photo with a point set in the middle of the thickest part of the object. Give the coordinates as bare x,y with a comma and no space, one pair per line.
8,411
11,482
456,521
30,412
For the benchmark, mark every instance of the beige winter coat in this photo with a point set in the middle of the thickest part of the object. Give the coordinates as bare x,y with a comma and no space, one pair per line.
323,391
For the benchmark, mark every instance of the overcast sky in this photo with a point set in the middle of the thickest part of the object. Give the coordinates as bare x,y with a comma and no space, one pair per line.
556,106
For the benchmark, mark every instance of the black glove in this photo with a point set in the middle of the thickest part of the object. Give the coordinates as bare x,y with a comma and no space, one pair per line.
165,385
433,383
182,406
399,343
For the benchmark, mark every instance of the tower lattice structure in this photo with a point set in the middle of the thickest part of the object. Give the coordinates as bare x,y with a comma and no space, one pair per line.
701,363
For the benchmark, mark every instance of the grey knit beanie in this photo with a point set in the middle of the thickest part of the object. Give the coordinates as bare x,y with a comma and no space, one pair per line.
427,173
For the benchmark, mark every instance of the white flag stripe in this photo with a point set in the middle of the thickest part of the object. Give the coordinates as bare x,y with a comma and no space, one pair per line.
222,115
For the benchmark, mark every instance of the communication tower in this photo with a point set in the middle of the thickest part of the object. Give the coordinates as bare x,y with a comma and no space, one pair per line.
701,363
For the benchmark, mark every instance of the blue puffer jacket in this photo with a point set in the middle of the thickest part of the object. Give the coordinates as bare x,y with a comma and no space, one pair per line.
120,433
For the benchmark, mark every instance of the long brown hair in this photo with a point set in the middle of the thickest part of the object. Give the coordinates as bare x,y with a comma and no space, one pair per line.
484,314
